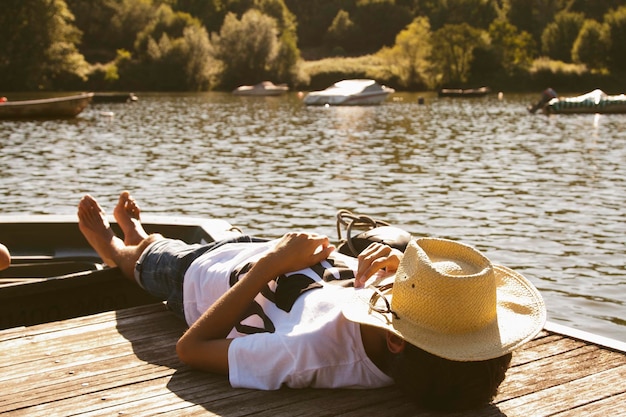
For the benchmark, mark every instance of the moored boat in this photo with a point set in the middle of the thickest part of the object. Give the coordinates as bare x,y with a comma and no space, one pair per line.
114,98
55,274
464,93
265,88
596,101
350,92
56,107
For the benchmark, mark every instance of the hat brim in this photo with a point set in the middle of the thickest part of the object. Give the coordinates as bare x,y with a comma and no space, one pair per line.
520,315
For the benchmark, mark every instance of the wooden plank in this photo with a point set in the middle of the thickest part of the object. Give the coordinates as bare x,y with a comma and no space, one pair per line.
608,407
61,345
605,385
124,363
558,370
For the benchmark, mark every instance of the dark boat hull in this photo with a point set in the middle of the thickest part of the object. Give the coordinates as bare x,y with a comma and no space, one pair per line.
464,93
56,275
114,98
57,107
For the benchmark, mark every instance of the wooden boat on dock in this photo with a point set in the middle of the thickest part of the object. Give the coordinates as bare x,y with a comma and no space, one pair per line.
56,107
55,274
112,351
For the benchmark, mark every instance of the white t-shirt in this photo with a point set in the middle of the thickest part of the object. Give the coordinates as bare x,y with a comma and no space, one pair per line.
312,345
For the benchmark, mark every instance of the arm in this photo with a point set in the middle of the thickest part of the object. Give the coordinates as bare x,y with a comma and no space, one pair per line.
204,344
374,258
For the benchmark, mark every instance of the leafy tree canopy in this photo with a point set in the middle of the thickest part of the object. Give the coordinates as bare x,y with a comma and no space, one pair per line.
39,44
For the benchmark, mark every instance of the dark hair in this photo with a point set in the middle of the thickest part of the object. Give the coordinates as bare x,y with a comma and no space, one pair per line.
440,384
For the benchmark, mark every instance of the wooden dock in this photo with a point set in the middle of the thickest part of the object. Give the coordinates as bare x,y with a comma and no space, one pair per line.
123,362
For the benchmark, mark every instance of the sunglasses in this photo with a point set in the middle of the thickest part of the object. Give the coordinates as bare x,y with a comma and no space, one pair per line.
378,295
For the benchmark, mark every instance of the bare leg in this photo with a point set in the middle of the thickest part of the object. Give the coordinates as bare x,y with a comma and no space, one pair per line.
127,215
95,227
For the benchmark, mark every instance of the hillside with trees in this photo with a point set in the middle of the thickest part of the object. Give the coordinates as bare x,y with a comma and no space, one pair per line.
200,45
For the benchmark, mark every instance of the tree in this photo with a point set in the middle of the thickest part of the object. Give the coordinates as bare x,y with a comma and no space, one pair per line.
453,51
314,18
408,58
591,45
559,36
616,24
210,12
379,22
342,32
533,16
109,25
476,13
247,48
284,67
173,52
514,50
39,44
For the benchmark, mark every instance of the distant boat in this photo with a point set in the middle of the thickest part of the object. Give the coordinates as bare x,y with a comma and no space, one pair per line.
468,92
114,98
546,95
353,92
596,101
57,107
265,88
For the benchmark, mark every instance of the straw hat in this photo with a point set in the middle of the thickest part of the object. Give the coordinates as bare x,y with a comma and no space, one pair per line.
449,300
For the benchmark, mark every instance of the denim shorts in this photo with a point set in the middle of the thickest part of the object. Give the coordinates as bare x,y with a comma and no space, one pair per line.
161,268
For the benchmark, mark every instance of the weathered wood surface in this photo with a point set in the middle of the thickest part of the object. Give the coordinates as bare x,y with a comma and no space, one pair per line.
124,363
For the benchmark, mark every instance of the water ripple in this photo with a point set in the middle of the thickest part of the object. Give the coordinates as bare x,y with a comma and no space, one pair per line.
543,195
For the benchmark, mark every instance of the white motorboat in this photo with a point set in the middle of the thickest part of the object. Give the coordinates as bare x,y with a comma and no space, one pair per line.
350,93
265,88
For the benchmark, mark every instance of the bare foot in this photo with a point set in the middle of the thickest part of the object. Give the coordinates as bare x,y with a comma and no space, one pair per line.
94,225
127,215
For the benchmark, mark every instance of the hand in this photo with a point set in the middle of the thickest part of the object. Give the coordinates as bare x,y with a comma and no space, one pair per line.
375,257
297,251
204,345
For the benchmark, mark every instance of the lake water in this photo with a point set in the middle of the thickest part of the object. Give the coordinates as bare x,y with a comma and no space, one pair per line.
543,195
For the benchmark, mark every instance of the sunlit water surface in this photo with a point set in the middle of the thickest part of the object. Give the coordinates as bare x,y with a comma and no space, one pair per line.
543,195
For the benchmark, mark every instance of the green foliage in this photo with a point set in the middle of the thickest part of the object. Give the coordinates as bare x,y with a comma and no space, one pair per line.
109,25
342,32
616,23
327,71
379,21
38,40
453,52
533,16
559,36
247,48
408,59
315,17
591,46
556,67
210,12
514,50
284,68
165,44
476,13
594,9
173,52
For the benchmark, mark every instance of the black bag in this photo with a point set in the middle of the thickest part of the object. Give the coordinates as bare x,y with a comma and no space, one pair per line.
374,231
